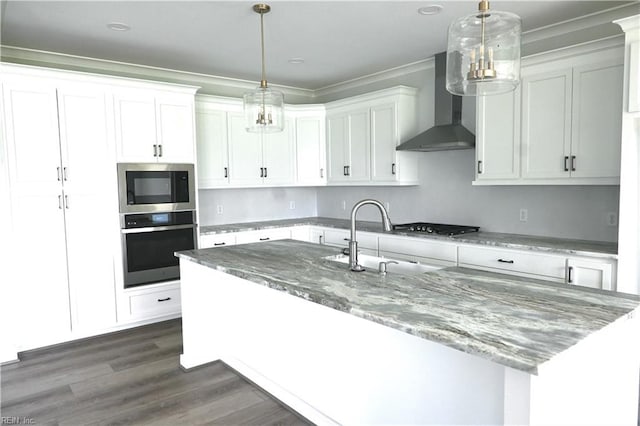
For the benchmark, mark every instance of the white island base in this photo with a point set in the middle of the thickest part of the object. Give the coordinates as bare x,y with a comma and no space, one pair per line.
335,368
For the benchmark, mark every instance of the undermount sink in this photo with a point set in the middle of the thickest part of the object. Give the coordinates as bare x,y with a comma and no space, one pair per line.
371,263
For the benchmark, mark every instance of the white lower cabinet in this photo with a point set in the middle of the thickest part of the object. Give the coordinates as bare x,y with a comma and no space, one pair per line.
263,235
417,250
160,300
523,263
594,273
217,240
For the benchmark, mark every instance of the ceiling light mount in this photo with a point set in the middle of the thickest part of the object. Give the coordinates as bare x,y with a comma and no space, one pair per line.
118,26
483,53
432,9
263,107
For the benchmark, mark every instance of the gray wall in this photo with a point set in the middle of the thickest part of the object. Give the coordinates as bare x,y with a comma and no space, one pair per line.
255,204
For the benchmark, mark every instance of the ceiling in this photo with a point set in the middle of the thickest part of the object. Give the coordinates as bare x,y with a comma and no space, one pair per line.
338,40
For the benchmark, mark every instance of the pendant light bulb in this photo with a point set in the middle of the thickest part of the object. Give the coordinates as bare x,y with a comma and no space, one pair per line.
263,107
483,53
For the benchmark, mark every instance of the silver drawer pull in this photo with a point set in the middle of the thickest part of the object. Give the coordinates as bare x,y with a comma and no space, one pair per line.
164,300
505,261
219,244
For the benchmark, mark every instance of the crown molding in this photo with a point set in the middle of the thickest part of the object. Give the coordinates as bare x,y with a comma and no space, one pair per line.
225,86
581,23
629,23
390,73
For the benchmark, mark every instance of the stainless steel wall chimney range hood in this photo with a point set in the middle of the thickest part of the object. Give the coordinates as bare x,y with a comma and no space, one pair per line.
448,132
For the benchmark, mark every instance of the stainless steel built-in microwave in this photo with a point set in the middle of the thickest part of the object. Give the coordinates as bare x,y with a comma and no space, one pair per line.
153,187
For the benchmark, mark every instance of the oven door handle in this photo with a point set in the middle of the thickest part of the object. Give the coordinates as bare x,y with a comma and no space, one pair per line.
157,228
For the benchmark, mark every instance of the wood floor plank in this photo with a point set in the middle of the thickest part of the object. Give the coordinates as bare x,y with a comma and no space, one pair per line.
131,377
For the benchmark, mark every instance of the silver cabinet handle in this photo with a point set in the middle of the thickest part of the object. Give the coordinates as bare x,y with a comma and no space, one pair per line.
166,299
219,244
265,172
261,172
58,173
393,168
479,166
66,202
346,170
155,150
505,261
569,273
566,167
160,150
60,202
64,174
265,239
321,173
573,163
226,172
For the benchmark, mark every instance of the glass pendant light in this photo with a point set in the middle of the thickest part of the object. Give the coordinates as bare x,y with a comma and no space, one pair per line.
263,107
483,53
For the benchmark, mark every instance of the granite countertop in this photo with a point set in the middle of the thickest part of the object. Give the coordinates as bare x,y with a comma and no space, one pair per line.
513,241
517,322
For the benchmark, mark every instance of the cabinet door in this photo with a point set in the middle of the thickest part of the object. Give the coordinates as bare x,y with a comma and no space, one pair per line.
384,139
546,124
90,197
597,120
37,218
175,129
278,155
136,137
245,153
359,160
498,136
213,160
590,273
338,145
310,151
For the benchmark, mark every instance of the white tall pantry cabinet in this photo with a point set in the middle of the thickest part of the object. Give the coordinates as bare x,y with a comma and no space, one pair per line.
64,209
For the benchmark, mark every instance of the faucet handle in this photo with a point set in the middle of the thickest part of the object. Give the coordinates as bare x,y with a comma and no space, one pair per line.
382,266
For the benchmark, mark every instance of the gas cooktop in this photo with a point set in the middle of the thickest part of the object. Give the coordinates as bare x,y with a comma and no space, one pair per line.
436,228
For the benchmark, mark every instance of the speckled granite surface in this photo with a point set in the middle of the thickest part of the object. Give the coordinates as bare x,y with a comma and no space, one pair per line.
517,322
514,241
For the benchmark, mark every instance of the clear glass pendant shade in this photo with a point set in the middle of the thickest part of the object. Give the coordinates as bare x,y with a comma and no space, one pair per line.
264,110
483,54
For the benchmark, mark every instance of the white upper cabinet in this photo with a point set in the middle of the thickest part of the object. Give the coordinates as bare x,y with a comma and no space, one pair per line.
597,120
546,124
229,156
310,147
362,134
212,152
498,146
152,126
563,126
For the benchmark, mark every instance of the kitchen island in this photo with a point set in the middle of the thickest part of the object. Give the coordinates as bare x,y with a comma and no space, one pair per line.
453,346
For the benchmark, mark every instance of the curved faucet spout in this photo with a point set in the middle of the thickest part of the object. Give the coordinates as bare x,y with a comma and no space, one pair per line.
353,243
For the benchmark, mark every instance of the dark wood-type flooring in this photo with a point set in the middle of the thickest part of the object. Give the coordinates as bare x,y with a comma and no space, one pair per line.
131,377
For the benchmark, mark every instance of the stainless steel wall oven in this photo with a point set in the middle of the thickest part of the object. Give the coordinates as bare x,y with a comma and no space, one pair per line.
149,241
157,218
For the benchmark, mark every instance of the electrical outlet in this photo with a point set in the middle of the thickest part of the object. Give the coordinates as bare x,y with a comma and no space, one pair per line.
524,215
612,219
344,205
292,205
219,209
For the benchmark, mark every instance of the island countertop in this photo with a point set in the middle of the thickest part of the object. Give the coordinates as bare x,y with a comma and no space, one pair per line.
513,241
517,322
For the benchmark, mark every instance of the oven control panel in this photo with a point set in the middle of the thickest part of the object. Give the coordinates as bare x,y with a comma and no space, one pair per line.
145,220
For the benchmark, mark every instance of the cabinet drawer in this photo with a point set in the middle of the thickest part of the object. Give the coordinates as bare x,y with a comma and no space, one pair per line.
418,249
340,238
217,240
517,262
155,303
263,235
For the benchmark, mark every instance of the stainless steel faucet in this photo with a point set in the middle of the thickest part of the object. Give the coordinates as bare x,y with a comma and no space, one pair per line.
353,244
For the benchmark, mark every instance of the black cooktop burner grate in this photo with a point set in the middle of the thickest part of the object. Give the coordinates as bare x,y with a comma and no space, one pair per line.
436,228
